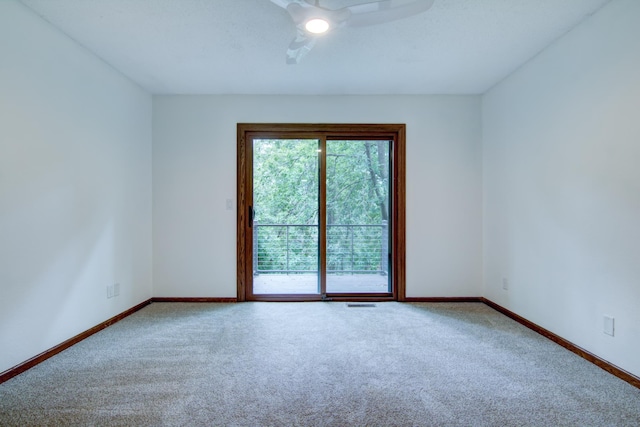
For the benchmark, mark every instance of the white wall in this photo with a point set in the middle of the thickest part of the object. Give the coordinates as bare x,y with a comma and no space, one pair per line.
75,188
194,172
561,166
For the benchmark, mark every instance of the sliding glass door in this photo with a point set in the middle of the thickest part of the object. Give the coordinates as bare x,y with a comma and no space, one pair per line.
357,212
285,216
317,214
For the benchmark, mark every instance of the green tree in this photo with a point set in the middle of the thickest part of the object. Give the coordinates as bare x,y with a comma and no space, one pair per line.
286,192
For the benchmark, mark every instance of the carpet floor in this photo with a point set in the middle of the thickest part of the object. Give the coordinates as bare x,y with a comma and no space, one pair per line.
317,364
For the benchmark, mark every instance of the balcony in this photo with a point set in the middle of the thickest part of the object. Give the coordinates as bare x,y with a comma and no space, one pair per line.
285,258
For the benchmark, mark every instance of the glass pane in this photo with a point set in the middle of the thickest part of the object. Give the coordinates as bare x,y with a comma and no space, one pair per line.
285,228
358,217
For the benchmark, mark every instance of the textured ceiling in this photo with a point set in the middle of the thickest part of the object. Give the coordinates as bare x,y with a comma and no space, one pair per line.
238,46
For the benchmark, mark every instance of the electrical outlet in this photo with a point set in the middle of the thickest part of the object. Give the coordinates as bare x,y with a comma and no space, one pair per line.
109,291
116,289
609,325
505,284
229,204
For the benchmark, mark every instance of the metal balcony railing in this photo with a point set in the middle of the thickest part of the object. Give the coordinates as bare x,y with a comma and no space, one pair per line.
293,248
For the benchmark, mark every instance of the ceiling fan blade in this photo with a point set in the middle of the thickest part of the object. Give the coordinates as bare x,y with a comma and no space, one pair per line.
299,46
303,42
384,11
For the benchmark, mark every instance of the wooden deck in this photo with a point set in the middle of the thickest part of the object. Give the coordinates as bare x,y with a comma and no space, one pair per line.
265,284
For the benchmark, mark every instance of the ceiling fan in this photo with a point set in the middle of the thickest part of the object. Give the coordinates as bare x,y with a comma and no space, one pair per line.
313,20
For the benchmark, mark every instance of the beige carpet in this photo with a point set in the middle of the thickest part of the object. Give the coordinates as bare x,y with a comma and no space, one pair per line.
317,364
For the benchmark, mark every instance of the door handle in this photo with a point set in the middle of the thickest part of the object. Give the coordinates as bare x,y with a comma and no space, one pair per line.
251,216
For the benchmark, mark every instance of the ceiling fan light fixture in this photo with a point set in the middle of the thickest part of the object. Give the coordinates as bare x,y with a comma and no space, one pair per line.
312,20
317,25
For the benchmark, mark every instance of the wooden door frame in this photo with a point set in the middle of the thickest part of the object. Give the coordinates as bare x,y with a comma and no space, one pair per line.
394,132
